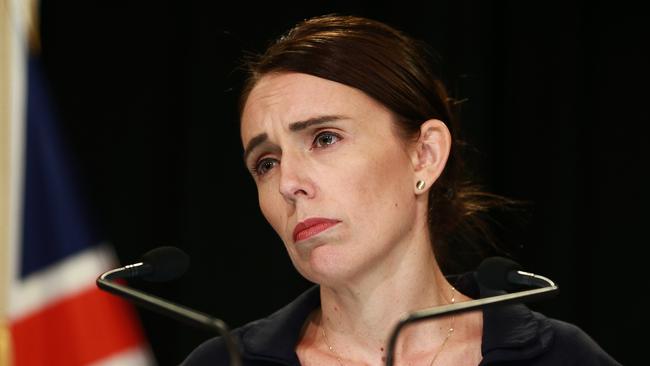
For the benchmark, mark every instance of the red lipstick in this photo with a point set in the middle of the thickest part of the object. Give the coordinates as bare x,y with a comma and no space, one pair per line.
311,227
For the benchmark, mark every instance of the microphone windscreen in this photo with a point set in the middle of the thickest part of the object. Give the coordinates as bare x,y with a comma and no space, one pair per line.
493,273
167,263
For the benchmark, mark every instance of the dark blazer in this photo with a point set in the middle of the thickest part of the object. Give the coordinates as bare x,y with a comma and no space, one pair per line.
512,335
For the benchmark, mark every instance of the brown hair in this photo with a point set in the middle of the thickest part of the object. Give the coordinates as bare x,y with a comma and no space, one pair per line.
395,70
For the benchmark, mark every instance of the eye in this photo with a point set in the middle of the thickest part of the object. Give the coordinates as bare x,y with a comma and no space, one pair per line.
263,166
326,138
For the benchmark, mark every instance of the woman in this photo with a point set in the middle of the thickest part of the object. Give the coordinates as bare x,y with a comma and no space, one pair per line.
352,145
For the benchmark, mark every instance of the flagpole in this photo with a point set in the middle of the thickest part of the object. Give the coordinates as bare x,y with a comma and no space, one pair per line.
18,27
6,41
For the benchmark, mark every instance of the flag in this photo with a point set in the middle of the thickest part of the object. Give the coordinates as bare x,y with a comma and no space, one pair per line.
52,312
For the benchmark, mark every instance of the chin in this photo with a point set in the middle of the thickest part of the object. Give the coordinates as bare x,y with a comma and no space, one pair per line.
325,266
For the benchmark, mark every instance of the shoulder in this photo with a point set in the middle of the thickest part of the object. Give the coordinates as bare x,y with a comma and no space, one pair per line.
513,333
573,346
266,341
212,352
215,351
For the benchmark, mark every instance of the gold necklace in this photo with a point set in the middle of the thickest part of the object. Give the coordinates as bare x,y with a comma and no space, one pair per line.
450,331
327,343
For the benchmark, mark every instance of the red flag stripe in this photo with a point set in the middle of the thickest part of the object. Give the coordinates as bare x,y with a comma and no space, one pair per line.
77,330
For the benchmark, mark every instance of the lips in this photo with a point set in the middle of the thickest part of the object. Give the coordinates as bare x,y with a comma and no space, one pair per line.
311,227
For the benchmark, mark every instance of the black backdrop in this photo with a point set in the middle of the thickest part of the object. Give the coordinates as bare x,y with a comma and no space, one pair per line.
557,102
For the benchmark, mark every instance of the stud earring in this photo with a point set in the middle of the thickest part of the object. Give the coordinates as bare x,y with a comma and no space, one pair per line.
420,185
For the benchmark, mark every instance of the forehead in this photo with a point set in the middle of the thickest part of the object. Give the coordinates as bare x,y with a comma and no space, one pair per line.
289,97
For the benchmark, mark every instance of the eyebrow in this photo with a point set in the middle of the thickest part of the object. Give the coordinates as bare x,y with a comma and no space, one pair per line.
293,127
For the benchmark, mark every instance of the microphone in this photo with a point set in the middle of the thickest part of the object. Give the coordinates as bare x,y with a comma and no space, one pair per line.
497,273
500,273
159,265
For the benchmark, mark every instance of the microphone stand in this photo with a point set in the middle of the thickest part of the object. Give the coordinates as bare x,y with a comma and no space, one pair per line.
462,307
171,309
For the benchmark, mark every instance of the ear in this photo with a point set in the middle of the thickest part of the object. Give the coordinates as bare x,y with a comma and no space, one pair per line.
429,154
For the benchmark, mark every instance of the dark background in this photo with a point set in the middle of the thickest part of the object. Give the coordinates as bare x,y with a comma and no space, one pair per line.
557,105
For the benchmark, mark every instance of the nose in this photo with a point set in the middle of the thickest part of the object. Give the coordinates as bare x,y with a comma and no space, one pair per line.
295,181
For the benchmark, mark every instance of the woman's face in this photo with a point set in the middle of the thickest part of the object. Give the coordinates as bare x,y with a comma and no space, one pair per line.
326,155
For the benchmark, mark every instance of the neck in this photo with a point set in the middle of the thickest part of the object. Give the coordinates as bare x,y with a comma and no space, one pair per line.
358,318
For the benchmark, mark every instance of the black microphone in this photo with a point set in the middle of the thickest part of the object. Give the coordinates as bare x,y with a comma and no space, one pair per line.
158,265
496,273
500,273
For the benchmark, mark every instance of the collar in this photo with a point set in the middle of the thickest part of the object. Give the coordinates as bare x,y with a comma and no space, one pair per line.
274,338
510,332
